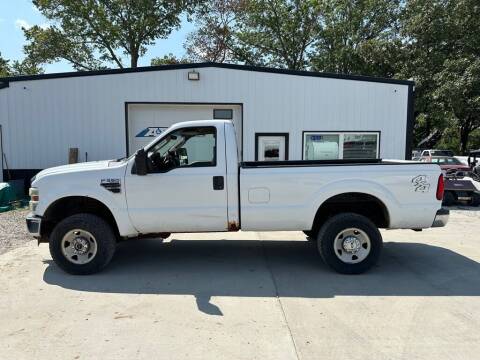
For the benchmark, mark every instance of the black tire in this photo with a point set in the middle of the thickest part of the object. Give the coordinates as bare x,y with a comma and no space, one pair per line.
475,199
449,199
338,223
310,235
96,226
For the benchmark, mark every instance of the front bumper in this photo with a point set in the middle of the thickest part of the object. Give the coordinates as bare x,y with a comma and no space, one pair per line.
441,218
34,224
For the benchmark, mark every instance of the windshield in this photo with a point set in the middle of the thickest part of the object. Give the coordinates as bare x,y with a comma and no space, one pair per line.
167,143
125,158
442,153
446,160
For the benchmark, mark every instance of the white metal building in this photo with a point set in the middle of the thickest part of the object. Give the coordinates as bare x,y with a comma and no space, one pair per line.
278,114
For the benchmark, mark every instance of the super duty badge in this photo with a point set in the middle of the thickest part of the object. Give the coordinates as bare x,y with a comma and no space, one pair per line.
112,185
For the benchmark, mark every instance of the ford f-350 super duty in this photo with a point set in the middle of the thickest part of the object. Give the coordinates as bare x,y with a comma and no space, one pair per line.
189,179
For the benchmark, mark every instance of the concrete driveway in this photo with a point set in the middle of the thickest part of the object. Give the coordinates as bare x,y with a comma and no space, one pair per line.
249,296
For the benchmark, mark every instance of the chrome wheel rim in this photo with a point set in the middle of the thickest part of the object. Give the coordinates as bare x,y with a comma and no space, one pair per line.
352,245
79,246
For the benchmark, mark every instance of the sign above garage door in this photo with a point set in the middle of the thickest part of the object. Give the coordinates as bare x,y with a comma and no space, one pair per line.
145,121
150,132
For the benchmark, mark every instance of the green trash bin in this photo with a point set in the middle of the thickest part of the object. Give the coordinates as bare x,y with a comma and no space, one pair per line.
7,196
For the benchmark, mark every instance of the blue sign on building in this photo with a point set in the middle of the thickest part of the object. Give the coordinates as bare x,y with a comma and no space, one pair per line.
150,132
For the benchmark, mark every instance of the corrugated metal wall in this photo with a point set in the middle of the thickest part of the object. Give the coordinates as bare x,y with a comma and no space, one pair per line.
3,124
43,118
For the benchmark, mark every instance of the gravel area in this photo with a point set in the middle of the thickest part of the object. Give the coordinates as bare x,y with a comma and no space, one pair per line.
13,232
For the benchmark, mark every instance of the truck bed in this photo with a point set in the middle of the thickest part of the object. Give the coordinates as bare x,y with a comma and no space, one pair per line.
285,195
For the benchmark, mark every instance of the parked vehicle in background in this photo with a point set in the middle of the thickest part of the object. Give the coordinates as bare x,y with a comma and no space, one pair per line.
461,189
189,179
416,155
461,181
474,163
448,163
462,159
428,154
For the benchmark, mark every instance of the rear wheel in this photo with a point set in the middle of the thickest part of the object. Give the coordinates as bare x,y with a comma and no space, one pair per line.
449,199
475,199
82,244
350,243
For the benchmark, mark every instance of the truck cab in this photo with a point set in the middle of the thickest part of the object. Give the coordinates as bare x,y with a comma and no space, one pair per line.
186,173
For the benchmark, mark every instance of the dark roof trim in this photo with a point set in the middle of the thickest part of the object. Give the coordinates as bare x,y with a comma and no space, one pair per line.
3,85
204,65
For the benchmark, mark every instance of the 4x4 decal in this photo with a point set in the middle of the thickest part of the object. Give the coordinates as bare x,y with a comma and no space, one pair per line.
420,183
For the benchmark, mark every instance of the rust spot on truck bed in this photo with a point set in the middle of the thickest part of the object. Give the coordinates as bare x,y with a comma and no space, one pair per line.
233,226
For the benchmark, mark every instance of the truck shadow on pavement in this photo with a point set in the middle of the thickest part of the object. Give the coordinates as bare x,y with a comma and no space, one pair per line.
248,268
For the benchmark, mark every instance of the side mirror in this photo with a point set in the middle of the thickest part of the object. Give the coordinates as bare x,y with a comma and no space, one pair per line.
141,162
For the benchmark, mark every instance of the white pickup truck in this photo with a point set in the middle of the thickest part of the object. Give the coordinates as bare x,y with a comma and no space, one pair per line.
189,179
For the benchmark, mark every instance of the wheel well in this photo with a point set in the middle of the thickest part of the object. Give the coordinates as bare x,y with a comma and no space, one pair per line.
67,206
359,203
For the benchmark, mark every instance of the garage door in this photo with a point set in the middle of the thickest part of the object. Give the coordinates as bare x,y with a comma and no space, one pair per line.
147,121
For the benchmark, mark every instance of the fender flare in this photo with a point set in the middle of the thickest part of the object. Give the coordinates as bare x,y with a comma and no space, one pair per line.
123,227
367,187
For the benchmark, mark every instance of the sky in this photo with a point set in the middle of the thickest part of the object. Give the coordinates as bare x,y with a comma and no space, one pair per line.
15,14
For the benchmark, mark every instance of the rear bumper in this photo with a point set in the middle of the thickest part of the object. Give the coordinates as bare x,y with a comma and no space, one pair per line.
441,218
34,223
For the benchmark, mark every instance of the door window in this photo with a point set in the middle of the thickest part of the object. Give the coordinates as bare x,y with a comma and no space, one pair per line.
187,147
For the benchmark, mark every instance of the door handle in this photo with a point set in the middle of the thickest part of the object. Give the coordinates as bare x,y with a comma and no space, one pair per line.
218,183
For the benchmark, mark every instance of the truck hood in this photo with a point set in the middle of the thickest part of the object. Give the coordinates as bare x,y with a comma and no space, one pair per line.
64,169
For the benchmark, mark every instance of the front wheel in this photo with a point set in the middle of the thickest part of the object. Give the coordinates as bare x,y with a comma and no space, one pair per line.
82,244
349,243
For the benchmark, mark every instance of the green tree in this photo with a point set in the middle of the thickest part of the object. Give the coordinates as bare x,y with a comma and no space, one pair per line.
25,67
279,33
214,38
458,92
358,37
96,34
168,59
441,53
344,36
422,24
4,67
276,33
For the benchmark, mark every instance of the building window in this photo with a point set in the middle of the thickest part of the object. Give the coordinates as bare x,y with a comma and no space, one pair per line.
271,146
223,114
340,145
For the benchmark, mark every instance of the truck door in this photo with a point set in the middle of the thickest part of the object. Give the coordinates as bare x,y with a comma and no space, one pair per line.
185,188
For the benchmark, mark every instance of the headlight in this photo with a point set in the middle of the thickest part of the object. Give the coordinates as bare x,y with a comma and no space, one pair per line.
34,198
